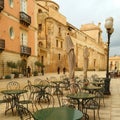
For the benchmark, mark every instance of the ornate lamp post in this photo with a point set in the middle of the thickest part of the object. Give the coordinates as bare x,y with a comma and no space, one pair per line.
109,29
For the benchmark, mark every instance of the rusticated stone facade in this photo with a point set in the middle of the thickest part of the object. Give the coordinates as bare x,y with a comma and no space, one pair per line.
114,63
53,29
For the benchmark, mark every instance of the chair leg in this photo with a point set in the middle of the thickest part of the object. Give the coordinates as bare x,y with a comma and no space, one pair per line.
85,116
98,114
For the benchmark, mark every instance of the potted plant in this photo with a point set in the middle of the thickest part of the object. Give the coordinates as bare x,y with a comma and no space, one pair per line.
35,73
20,64
38,64
12,66
40,67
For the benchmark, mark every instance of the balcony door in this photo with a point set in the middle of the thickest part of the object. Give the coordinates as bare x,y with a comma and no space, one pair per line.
23,6
23,38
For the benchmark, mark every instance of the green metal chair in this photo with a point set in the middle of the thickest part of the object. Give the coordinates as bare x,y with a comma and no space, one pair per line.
24,113
92,104
28,97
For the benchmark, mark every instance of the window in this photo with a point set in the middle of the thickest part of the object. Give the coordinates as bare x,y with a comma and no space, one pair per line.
99,35
23,38
40,44
56,43
59,56
59,31
23,6
39,11
40,27
61,44
11,32
42,59
11,3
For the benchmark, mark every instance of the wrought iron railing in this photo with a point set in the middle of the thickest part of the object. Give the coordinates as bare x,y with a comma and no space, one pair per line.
1,5
25,19
2,44
24,50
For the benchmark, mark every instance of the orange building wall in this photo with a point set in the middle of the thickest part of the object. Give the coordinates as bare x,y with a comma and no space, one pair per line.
16,7
5,24
10,18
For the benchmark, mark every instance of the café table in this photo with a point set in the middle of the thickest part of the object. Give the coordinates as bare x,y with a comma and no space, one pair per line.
100,79
58,113
97,83
14,97
41,88
92,88
57,86
80,98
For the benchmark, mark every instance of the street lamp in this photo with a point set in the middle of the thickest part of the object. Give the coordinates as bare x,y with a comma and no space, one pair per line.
109,29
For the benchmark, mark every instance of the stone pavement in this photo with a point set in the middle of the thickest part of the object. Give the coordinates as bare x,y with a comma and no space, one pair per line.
111,111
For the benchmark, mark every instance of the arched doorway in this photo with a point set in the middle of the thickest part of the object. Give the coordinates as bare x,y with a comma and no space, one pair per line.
24,66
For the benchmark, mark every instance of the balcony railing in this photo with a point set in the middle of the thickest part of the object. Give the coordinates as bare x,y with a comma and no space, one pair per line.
1,5
2,45
25,19
25,51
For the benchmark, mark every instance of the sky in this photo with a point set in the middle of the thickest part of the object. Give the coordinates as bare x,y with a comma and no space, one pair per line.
79,12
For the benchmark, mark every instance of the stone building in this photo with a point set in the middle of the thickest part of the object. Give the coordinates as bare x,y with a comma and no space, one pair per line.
114,63
38,34
53,27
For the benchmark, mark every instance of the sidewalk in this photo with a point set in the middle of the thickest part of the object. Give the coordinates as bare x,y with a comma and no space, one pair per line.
111,111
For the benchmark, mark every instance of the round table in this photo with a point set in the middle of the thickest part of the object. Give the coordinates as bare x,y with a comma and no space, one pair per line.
57,86
82,95
97,83
92,88
13,95
58,113
13,92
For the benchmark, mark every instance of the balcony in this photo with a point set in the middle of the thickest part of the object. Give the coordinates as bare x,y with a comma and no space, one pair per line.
25,19
2,45
1,5
25,51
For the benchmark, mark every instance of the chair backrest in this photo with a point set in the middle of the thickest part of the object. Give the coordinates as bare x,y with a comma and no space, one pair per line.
74,88
37,81
85,116
30,91
45,100
46,84
52,78
91,104
63,77
24,113
64,101
94,77
13,85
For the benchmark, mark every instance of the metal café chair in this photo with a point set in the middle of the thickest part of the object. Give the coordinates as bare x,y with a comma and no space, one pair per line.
5,100
28,97
45,100
37,81
13,85
24,113
91,104
65,101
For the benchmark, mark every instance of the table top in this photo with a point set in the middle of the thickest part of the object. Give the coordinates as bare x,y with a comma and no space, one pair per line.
100,79
81,95
58,113
97,83
57,81
41,85
92,87
9,92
